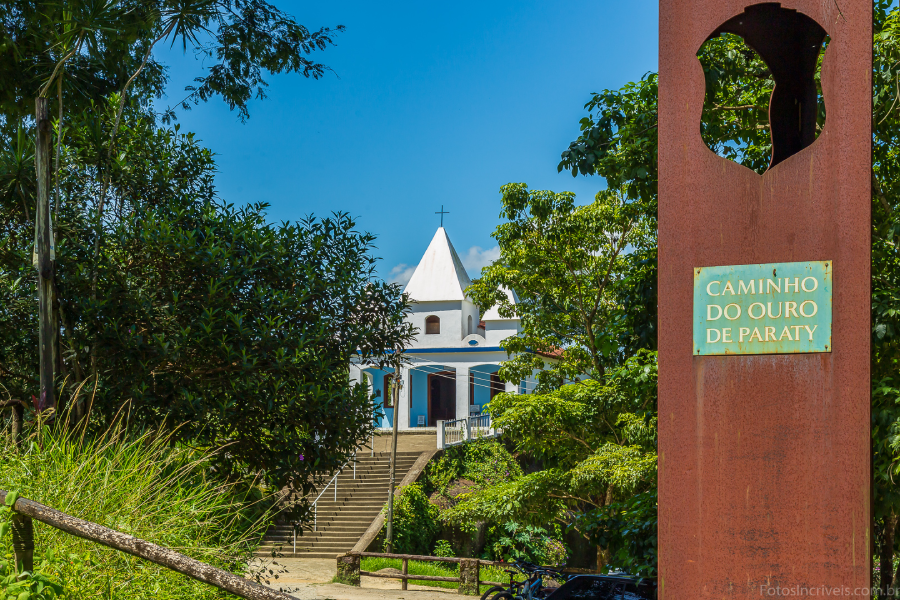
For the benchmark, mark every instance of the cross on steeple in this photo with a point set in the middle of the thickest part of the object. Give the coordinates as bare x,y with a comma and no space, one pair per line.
442,213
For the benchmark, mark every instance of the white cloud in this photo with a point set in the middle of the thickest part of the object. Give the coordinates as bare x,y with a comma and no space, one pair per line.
476,258
401,274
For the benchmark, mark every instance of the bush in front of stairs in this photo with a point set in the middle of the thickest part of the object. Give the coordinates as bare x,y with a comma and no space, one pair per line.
484,462
416,523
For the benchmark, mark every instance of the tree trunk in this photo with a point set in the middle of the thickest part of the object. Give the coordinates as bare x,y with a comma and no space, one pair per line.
603,554
43,235
886,568
602,558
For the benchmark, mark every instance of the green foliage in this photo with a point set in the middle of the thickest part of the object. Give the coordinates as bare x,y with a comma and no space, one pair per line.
94,48
527,542
196,313
885,261
595,440
618,141
627,529
568,265
144,486
484,462
443,548
415,524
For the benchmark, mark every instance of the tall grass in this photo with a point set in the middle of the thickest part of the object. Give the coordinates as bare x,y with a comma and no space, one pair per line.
142,485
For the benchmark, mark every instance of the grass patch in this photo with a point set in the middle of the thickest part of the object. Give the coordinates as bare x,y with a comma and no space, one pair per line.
374,564
145,486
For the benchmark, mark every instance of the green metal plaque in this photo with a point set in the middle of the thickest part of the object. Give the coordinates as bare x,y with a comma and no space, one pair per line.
779,308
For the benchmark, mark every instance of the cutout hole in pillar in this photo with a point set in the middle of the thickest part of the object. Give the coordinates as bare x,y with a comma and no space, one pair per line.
764,98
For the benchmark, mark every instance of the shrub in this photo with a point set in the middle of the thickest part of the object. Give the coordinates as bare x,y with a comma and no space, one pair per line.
443,548
513,541
144,486
415,521
485,462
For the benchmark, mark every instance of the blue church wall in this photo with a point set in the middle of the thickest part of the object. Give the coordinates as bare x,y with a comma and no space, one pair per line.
377,375
482,378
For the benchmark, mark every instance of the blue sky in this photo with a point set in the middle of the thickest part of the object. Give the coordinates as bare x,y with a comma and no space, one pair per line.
428,105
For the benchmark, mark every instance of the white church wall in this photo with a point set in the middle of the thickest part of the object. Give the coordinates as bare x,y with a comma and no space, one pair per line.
403,408
469,315
451,325
497,331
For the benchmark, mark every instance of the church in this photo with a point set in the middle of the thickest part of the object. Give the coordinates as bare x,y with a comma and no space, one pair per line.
453,362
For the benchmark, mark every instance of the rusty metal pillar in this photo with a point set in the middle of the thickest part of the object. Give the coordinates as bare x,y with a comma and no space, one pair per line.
764,457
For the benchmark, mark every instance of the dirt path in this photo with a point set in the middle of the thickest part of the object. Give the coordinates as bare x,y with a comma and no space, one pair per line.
310,578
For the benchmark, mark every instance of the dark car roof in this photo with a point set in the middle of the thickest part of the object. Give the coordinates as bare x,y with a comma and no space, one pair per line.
605,587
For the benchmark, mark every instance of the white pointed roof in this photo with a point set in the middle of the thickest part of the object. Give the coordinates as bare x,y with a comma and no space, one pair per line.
440,275
494,315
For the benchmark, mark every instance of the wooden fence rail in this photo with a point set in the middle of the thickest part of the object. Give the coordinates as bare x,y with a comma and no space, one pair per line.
23,547
469,580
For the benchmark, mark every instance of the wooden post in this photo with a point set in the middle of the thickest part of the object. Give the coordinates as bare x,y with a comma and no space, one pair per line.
44,263
389,535
18,415
405,582
348,569
469,573
23,542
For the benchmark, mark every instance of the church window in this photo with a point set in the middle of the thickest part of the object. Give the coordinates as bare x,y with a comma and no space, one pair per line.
388,395
470,325
432,324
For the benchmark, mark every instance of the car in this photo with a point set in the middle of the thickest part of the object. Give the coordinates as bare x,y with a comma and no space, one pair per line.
605,587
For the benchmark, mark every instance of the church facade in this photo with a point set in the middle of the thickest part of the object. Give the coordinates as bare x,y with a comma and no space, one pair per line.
453,362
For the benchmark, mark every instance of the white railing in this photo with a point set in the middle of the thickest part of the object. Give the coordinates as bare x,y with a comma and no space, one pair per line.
459,431
480,426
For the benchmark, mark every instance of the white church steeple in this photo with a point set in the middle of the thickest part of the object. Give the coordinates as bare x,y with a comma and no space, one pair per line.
440,276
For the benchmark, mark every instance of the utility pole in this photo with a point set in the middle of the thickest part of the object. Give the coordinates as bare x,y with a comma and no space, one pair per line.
43,233
389,538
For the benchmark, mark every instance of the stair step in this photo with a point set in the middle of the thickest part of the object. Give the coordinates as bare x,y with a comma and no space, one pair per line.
343,512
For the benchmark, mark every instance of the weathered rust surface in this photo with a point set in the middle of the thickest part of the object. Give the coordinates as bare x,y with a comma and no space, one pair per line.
764,460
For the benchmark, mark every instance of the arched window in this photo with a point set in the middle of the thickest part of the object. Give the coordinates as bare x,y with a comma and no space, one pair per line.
470,325
432,325
388,395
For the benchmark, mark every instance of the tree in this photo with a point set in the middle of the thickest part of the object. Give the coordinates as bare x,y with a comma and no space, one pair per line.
618,142
205,317
94,49
596,442
569,266
106,46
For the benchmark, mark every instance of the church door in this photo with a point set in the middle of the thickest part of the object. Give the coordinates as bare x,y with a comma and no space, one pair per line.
441,397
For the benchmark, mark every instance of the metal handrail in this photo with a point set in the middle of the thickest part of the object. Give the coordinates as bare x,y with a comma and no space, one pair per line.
316,501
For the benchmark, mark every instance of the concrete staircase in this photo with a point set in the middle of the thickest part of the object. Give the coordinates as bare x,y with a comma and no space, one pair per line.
340,523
